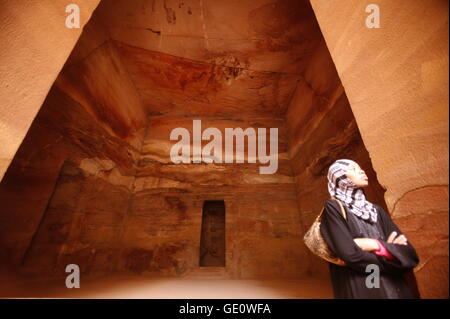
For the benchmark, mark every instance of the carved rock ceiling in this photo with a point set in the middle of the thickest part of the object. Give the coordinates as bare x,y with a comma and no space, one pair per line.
213,58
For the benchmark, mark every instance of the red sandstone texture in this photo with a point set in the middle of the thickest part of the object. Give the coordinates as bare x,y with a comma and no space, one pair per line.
93,184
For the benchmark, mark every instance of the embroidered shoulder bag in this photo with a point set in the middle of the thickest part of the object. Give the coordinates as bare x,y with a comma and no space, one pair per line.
315,242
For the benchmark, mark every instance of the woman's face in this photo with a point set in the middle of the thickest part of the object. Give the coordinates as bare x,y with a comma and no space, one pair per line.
357,175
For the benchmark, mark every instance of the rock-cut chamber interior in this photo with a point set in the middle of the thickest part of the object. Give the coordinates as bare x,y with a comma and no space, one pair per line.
93,182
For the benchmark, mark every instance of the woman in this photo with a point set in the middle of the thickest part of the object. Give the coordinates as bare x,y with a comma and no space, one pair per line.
367,236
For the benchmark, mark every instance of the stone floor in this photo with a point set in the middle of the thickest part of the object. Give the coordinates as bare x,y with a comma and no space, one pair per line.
143,288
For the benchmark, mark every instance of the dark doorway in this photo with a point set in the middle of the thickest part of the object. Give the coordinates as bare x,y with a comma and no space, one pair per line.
212,240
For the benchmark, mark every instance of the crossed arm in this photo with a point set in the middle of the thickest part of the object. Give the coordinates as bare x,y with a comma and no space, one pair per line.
374,245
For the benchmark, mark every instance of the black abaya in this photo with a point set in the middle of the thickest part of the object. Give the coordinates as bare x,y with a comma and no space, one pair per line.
350,281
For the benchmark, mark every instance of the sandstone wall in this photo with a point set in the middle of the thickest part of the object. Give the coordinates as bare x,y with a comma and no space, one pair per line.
396,79
93,212
91,119
80,223
163,226
84,206
40,194
35,46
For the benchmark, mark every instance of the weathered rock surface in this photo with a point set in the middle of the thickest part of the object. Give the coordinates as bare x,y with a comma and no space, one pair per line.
114,202
30,61
164,223
93,182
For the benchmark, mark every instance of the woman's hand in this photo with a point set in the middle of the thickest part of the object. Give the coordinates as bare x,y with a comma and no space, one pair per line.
370,244
367,244
399,240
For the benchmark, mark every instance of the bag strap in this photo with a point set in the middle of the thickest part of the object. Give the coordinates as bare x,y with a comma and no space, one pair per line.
342,208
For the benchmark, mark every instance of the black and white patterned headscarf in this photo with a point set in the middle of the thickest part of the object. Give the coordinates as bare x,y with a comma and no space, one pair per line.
352,196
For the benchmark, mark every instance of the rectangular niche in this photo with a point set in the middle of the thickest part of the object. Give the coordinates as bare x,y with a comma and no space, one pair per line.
212,240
